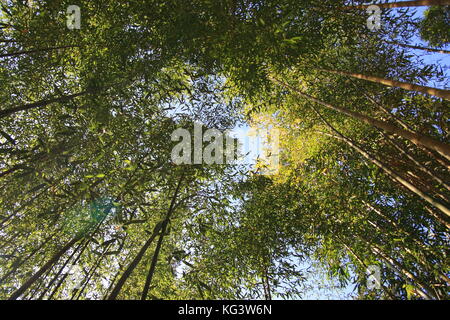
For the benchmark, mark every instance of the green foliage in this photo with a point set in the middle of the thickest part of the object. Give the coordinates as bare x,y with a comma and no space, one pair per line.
434,27
86,175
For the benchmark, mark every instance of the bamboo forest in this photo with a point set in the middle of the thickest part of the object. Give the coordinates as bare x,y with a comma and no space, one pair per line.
224,150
